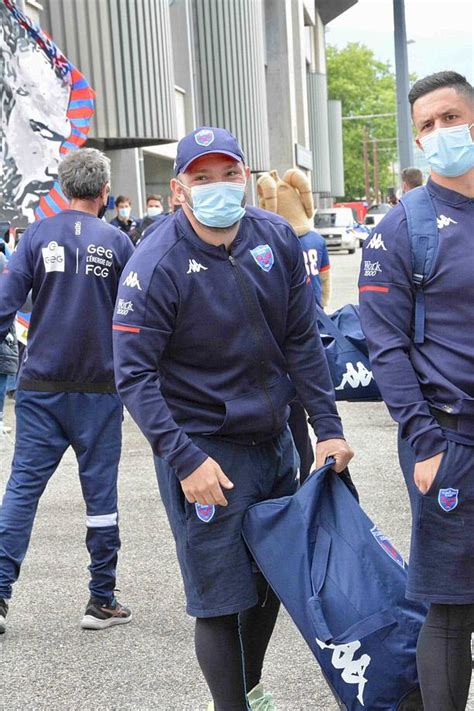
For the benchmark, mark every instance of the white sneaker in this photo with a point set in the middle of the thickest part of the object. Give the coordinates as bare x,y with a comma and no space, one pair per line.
4,430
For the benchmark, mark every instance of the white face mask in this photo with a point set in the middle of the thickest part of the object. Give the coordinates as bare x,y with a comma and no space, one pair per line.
154,211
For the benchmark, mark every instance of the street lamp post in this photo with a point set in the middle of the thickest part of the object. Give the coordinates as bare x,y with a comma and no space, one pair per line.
405,139
366,164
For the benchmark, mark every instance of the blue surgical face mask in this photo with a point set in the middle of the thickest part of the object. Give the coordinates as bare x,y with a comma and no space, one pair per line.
450,151
218,204
124,212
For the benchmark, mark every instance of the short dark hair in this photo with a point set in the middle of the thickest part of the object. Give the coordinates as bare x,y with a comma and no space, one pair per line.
153,197
122,198
412,177
440,80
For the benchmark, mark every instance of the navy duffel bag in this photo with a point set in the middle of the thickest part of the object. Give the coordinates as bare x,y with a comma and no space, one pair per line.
347,354
343,584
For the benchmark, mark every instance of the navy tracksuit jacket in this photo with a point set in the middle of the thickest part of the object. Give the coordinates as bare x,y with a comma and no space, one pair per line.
66,392
218,343
439,372
429,386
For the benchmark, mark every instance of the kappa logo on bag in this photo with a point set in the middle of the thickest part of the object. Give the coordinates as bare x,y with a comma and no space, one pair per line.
353,670
448,499
205,512
361,377
387,546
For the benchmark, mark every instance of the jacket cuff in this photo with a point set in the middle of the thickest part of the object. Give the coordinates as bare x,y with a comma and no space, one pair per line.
430,443
328,427
189,459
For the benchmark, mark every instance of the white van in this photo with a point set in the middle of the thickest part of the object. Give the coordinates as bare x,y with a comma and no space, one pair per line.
338,227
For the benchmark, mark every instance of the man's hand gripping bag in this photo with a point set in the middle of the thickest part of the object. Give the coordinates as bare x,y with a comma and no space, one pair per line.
343,584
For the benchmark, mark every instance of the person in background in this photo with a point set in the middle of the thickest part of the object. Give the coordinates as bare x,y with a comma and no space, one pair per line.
153,212
66,396
425,372
291,197
161,219
154,206
124,219
411,178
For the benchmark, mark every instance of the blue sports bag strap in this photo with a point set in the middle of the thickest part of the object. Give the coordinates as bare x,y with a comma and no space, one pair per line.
369,625
423,235
318,577
332,330
363,628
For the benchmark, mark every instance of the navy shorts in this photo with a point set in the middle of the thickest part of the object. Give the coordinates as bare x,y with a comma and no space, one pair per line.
216,566
441,566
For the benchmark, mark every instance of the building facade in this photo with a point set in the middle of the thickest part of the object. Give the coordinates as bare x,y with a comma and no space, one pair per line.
162,67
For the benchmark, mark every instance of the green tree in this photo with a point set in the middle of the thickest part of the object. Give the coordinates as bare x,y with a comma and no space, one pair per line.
365,86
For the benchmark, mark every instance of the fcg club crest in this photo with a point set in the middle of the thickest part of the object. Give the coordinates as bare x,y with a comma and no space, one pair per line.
204,137
205,511
388,547
263,255
448,499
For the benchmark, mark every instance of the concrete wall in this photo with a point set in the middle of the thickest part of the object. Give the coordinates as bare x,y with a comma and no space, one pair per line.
230,72
124,49
336,152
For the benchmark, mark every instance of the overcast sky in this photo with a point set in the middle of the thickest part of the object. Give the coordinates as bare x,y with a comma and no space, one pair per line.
442,30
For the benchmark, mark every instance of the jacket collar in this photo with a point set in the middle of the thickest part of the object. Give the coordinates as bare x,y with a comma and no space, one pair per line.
445,195
185,229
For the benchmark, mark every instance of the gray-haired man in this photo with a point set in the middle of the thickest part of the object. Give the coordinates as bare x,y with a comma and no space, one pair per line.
66,395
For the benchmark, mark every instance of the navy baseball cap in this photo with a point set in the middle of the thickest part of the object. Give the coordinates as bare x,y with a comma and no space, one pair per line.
206,139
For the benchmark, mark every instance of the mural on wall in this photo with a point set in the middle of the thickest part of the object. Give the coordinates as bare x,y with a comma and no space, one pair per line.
46,107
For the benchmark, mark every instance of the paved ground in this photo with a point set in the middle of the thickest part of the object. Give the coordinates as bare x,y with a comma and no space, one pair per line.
47,662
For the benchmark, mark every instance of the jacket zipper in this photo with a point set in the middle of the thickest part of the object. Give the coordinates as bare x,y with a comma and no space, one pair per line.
253,322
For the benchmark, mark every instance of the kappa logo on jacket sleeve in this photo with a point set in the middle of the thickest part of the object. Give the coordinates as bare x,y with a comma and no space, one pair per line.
53,257
132,281
376,242
353,670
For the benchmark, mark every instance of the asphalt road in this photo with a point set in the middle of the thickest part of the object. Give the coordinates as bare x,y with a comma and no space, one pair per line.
48,662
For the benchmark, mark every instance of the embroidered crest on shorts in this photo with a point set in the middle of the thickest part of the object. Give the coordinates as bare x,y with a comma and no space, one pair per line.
448,499
205,511
263,255
387,546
